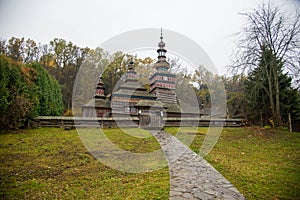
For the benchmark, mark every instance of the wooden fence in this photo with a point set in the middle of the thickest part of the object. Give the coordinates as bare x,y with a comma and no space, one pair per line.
72,122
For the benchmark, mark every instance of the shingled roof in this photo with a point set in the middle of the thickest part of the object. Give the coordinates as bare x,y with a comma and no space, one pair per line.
98,103
150,103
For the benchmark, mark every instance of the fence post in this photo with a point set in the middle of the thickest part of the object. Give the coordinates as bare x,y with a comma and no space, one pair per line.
290,122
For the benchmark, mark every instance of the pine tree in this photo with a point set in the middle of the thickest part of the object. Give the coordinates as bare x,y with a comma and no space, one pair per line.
269,92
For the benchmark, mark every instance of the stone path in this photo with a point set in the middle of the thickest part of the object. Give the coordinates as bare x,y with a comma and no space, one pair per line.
191,177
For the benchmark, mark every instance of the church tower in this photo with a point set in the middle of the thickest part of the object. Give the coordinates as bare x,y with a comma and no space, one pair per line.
99,93
99,106
162,82
125,99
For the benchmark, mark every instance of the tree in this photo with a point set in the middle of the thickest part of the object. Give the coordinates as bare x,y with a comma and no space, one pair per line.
15,103
26,91
176,66
3,48
63,62
235,94
4,81
268,29
86,78
202,77
112,74
144,69
31,51
15,48
259,91
47,92
259,94
210,90
21,50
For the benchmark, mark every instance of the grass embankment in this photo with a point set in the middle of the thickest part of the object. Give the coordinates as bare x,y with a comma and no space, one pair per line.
50,163
262,164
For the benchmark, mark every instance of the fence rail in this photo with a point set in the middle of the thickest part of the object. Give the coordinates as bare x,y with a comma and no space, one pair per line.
135,121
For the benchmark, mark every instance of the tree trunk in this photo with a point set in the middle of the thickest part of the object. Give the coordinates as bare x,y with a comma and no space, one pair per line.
261,120
277,102
274,68
270,89
290,122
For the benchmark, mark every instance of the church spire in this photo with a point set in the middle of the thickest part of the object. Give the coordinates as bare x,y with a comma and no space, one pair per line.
161,63
131,64
131,74
161,38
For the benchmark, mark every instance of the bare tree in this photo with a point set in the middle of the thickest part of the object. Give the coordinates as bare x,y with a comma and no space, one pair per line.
3,48
267,27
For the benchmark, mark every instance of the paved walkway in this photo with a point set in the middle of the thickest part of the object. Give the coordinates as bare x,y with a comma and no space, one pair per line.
191,177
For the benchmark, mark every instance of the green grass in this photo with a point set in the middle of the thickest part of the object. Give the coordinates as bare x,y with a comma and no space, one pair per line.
133,139
51,163
262,164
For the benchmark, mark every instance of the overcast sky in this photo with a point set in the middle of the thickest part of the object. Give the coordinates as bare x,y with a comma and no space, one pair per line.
210,23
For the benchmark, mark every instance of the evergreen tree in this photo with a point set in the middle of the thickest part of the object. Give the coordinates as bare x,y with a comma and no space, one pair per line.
260,87
26,91
274,36
48,93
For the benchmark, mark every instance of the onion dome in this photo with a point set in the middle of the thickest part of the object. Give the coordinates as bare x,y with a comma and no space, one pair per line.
161,44
131,65
161,63
131,74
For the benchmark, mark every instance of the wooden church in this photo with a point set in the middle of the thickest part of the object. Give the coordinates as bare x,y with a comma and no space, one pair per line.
131,98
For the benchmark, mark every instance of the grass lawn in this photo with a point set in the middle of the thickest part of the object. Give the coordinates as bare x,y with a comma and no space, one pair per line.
51,163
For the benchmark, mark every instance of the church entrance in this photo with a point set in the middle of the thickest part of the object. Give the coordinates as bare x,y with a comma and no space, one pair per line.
151,121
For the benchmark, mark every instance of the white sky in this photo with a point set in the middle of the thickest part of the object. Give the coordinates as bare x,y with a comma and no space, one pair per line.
210,23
